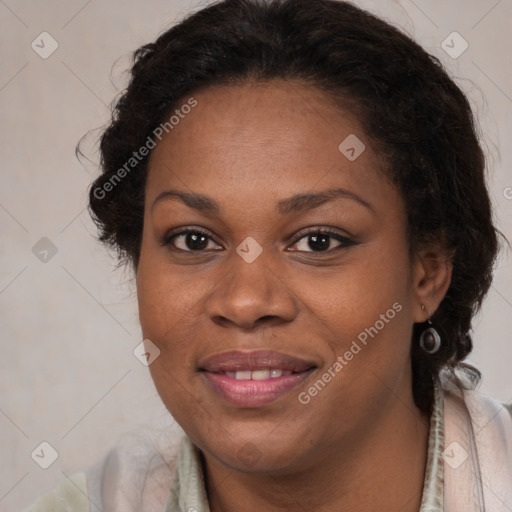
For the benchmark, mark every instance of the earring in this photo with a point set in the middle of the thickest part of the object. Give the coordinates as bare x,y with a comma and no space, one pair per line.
430,341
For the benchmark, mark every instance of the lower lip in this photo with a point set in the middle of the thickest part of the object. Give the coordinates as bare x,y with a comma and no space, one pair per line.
254,393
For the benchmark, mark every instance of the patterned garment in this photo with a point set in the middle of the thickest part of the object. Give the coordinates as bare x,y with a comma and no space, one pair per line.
155,473
432,499
188,492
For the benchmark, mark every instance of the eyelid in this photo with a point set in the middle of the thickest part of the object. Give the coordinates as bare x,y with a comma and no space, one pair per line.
166,240
324,230
346,240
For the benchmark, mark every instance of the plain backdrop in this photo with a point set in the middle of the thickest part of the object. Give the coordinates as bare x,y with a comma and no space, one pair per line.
68,319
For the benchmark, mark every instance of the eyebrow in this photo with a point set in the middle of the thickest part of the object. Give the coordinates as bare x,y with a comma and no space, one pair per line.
293,204
310,200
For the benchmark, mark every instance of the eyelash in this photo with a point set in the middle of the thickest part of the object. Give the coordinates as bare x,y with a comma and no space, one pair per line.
344,241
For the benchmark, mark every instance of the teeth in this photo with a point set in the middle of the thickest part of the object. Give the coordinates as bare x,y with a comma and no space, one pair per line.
246,375
258,374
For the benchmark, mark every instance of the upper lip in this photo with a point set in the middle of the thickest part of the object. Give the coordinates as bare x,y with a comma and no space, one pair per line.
236,360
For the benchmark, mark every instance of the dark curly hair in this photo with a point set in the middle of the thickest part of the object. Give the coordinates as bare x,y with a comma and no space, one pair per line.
417,117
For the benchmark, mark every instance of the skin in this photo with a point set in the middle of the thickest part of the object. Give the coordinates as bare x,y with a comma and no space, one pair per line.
360,443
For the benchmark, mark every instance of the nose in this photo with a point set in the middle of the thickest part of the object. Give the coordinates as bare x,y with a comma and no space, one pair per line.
251,294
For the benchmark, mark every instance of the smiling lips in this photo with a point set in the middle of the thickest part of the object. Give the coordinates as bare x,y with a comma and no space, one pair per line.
253,379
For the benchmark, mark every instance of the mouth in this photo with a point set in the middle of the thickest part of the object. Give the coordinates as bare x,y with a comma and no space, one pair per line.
262,374
254,379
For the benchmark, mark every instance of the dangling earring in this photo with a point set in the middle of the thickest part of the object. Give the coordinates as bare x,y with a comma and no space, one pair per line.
430,341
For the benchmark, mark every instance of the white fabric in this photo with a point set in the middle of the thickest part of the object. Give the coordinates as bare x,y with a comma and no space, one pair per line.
69,496
138,476
432,499
482,482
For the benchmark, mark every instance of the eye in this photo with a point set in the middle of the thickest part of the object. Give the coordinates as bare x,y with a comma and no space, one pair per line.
190,240
321,240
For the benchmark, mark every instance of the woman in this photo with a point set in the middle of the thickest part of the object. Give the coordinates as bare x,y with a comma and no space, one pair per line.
300,190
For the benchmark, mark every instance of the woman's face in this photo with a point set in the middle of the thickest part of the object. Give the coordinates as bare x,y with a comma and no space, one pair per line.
284,317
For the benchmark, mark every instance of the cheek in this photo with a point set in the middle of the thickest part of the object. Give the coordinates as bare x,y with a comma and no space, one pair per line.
168,308
355,295
168,297
364,311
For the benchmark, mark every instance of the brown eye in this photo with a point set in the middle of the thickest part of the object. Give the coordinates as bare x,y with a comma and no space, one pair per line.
191,240
321,241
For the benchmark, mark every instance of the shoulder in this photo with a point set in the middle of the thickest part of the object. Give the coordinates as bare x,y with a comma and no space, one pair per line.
478,432
483,421
484,408
485,411
479,405
134,476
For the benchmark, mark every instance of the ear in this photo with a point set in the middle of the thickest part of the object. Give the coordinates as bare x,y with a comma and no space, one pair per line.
432,275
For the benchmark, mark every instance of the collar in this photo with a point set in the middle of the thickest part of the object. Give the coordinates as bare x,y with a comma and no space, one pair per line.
188,492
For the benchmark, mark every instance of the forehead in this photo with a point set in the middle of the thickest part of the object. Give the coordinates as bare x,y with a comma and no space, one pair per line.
274,138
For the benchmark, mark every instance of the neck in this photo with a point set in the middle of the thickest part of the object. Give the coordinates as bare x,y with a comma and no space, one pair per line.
383,469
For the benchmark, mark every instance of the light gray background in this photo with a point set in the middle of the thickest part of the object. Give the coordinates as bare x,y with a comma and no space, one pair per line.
69,325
